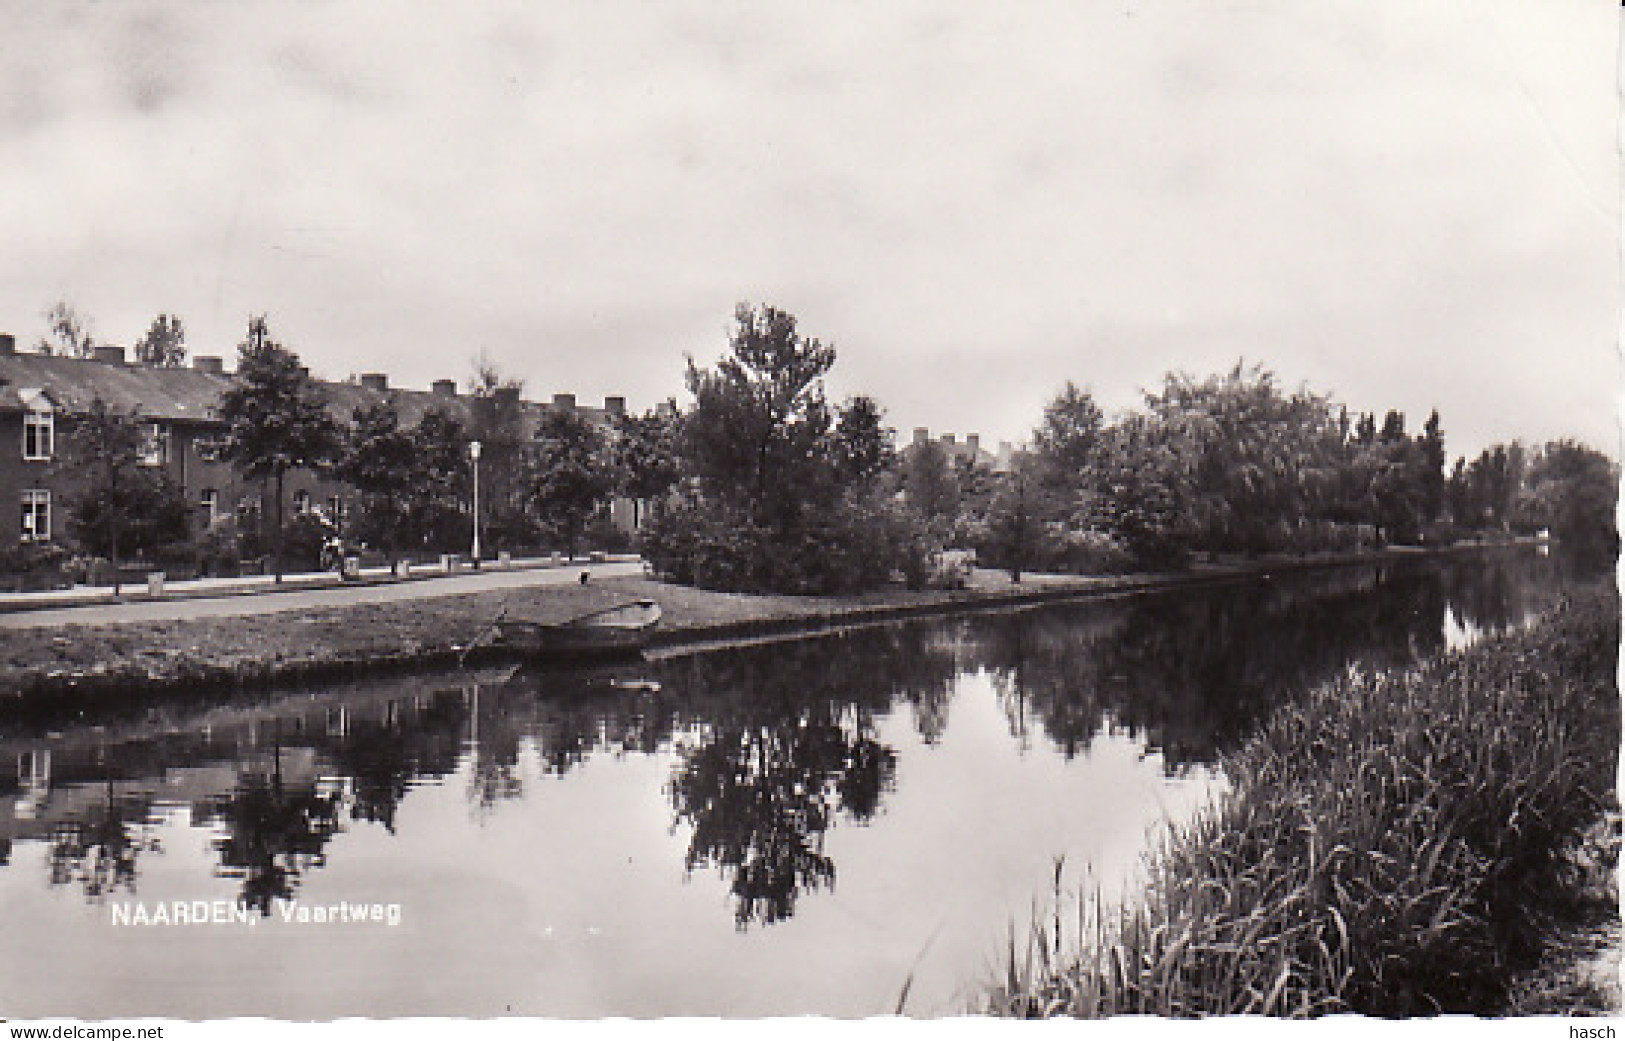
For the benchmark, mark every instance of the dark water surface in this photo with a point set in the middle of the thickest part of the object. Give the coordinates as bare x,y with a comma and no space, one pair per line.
786,828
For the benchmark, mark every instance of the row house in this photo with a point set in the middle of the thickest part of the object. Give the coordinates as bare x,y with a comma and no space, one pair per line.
41,395
968,451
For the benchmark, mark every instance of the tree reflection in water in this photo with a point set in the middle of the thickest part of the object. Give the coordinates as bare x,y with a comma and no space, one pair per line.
98,848
786,749
275,831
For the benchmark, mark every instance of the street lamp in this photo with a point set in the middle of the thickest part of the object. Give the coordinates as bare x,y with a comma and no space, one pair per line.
474,456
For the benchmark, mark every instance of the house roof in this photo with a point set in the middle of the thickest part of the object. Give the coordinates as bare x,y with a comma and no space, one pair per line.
73,383
191,395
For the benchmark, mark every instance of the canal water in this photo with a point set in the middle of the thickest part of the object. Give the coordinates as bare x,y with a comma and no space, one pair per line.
803,826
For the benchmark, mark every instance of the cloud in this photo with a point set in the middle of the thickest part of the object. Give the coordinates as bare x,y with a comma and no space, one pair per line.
974,203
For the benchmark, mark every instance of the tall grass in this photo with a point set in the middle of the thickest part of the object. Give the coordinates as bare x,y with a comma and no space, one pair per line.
1390,845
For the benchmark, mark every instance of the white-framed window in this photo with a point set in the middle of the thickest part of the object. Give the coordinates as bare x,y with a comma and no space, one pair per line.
301,501
154,445
210,501
335,510
39,434
36,515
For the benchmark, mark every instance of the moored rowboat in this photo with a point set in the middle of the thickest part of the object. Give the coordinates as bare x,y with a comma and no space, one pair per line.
611,632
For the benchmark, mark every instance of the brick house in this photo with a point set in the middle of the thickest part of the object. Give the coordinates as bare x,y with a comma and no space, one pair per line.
41,395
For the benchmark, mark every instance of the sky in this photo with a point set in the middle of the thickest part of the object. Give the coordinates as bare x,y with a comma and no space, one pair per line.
1405,205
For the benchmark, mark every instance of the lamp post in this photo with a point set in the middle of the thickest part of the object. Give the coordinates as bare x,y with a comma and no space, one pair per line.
474,456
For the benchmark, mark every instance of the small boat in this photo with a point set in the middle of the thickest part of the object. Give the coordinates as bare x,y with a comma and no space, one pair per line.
611,632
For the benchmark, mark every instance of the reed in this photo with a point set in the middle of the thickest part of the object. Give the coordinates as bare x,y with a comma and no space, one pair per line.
1392,844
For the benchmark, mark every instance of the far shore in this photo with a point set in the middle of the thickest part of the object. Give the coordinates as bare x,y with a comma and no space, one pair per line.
437,631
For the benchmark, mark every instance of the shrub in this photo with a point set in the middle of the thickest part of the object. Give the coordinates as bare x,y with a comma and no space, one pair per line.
302,539
219,550
828,552
25,557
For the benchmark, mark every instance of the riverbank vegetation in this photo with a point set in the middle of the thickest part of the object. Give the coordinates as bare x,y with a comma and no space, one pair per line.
1395,844
778,490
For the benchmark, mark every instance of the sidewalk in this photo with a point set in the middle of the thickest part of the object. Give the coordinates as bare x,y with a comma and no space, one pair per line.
260,594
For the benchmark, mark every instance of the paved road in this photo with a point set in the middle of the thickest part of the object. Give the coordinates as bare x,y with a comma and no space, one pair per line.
309,599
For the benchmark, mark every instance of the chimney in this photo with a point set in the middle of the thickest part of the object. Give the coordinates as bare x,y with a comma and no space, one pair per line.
974,443
208,363
922,435
564,401
375,381
947,440
615,406
444,388
108,354
8,344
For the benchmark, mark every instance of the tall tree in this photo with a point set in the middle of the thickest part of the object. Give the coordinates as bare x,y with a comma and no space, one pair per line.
498,423
276,419
381,462
570,473
440,489
1065,443
70,333
863,443
1571,490
929,484
646,451
757,435
163,344
779,496
1431,444
123,506
1014,521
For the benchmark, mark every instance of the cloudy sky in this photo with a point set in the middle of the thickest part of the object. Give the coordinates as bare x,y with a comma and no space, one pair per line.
1408,205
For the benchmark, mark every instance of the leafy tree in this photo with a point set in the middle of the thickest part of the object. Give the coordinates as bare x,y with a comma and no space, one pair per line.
1066,442
1141,493
646,451
1459,495
123,506
777,499
440,494
1014,522
1571,490
1250,456
497,422
1398,490
928,482
381,461
163,344
863,443
978,485
1432,460
570,473
756,437
276,419
70,334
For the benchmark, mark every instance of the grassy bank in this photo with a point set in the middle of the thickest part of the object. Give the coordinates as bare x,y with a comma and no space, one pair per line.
1399,843
300,644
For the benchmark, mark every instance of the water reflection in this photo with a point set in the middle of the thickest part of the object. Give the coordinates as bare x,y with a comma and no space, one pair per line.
96,850
774,766
275,830
770,748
